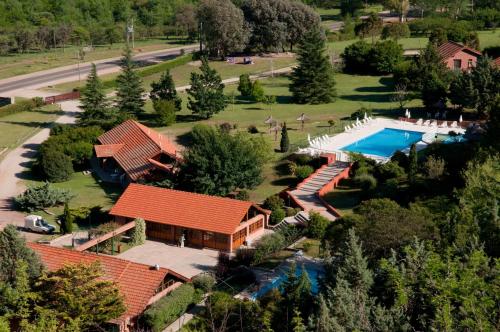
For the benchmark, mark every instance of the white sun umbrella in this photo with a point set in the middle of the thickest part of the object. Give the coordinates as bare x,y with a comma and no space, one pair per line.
309,138
357,121
406,113
302,118
366,116
460,119
409,114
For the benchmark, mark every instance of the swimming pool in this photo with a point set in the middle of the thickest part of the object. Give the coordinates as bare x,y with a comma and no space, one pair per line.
314,275
385,142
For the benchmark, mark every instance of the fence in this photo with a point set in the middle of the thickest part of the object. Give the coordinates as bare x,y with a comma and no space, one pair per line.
62,97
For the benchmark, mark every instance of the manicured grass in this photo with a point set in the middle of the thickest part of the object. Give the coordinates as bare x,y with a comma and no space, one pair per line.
275,259
88,192
25,63
353,92
344,197
16,128
310,247
489,38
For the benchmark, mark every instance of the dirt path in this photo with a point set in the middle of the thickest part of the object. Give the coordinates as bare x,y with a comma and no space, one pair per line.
17,161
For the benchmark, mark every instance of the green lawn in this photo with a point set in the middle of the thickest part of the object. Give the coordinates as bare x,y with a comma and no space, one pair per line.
182,74
16,128
25,63
344,197
310,247
489,38
88,192
353,92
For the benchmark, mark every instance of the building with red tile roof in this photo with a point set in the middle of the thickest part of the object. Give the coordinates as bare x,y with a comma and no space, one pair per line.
496,62
139,284
201,220
457,56
132,151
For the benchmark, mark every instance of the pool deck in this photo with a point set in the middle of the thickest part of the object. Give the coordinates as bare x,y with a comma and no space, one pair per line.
265,276
332,144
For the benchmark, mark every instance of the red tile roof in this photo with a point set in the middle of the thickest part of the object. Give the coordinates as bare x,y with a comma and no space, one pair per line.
140,144
181,208
137,282
107,150
496,62
449,49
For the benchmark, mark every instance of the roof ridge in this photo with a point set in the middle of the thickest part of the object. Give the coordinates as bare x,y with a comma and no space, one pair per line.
194,193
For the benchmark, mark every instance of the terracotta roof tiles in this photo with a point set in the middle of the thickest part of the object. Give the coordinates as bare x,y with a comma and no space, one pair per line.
449,49
140,144
137,282
180,208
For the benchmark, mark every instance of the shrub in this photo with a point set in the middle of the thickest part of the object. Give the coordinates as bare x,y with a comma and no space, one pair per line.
302,159
317,225
225,127
290,212
395,31
223,264
389,170
258,93
355,57
245,256
243,195
56,166
165,111
267,245
385,56
204,281
366,182
20,106
168,309
245,85
360,113
276,216
273,202
252,129
302,172
435,167
401,159
139,232
42,196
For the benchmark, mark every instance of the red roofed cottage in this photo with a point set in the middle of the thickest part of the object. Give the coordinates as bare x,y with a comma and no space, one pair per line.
201,220
139,284
457,56
131,151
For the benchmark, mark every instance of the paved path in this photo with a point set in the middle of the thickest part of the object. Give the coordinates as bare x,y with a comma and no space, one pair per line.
18,160
15,85
306,192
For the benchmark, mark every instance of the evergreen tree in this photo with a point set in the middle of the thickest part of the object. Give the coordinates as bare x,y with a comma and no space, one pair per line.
164,89
12,249
206,95
67,220
312,79
297,323
93,100
413,167
129,90
285,141
462,92
245,85
322,321
486,81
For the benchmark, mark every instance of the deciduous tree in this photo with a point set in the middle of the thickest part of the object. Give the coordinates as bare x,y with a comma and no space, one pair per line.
164,89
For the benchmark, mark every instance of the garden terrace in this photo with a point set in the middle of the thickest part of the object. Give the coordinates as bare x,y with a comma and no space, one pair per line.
202,220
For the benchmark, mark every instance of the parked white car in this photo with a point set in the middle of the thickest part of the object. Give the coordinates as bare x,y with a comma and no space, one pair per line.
36,223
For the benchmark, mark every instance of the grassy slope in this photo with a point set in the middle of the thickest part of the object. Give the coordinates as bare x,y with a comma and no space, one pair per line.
18,64
16,128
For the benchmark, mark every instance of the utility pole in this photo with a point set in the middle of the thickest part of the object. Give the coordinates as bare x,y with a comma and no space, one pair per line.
201,38
130,32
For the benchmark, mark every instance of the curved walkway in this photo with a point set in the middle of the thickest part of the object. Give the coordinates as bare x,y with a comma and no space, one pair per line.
307,193
17,162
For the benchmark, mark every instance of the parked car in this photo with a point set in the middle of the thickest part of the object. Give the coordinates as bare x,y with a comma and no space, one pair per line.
36,223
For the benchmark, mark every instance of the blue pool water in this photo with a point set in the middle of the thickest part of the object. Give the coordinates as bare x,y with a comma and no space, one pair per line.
385,142
314,275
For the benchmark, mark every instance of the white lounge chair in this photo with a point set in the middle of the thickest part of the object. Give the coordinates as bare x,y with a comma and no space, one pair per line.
433,122
426,123
444,124
454,124
419,122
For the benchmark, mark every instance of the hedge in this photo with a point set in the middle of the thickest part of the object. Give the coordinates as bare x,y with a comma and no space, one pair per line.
155,69
168,309
21,106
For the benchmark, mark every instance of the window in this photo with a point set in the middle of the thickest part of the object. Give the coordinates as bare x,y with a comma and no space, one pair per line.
457,64
469,63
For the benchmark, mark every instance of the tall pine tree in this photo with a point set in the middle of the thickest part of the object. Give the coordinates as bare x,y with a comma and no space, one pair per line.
93,100
413,167
312,79
164,89
206,95
129,90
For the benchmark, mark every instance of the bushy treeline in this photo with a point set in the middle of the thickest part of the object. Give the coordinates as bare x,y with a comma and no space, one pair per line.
38,24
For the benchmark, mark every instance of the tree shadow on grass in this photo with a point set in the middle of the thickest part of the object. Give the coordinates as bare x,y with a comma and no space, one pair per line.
288,181
284,99
378,98
31,124
375,89
187,118
387,81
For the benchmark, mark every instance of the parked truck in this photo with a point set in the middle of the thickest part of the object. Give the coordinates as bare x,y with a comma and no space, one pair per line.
36,223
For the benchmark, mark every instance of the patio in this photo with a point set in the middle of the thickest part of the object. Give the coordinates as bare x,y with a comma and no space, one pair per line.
186,261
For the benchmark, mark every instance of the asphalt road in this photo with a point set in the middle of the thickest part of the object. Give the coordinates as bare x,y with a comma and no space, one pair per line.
46,77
